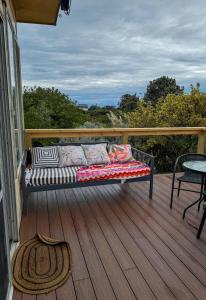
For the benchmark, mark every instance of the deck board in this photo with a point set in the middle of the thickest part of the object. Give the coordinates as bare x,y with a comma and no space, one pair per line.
124,246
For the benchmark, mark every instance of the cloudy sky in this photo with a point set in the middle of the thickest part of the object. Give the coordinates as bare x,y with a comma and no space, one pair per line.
108,48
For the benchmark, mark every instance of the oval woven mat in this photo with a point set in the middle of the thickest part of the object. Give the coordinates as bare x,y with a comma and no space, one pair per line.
41,265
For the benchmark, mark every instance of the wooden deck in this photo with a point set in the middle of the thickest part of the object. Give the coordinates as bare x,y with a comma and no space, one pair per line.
124,246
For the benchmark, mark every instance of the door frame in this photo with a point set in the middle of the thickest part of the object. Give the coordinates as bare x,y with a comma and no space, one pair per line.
6,134
7,171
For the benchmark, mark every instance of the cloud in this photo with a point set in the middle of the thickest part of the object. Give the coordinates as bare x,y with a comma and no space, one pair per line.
107,48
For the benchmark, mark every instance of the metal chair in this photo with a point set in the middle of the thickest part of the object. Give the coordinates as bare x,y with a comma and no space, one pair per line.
187,176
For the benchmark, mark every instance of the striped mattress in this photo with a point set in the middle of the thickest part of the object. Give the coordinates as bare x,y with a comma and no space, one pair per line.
118,171
47,176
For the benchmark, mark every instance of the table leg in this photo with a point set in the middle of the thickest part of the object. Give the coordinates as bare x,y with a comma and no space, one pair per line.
201,198
197,201
201,223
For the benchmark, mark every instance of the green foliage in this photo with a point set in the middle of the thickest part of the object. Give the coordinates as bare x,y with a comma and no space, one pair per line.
160,88
174,111
183,110
164,105
49,108
118,120
128,102
143,116
99,115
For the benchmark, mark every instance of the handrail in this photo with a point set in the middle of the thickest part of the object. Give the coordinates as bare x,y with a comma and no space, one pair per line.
31,134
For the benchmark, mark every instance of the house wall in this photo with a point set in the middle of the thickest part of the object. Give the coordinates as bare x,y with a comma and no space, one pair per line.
10,9
16,168
11,135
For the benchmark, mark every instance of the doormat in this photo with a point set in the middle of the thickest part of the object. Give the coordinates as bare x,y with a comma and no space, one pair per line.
41,265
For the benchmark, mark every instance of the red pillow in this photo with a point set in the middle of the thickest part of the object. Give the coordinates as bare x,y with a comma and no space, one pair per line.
120,153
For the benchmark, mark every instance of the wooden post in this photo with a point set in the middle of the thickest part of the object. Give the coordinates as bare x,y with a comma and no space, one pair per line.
201,144
28,141
125,138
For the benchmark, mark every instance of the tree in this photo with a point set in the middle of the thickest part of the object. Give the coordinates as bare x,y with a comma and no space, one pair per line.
94,107
99,115
174,111
143,116
49,108
128,102
160,88
182,110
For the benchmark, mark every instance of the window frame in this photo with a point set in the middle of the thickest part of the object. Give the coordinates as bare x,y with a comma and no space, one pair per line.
19,145
7,170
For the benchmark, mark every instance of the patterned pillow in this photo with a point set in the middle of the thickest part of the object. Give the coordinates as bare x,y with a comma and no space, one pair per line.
72,156
120,153
96,154
45,157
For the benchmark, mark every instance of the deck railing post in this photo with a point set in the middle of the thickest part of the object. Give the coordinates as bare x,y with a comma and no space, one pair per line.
201,144
125,138
28,141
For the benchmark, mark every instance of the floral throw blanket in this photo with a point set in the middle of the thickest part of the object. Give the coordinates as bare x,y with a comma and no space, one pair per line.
113,171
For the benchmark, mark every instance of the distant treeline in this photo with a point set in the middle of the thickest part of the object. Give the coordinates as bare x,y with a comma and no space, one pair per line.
164,105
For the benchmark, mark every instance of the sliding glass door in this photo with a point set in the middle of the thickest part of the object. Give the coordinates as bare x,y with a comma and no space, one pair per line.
8,222
5,227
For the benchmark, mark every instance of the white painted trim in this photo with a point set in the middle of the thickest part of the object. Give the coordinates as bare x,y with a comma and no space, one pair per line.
18,173
13,248
1,195
10,292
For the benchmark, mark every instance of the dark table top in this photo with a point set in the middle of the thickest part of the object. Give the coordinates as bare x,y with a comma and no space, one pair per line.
195,166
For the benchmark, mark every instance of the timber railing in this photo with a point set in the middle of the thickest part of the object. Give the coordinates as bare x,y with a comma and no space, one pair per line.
124,133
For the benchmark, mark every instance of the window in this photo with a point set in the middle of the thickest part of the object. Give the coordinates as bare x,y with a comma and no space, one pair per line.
16,93
6,168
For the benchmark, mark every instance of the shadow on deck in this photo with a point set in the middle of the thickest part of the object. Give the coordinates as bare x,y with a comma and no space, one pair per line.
124,246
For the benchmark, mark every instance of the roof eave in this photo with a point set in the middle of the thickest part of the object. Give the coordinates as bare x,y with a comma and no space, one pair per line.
24,17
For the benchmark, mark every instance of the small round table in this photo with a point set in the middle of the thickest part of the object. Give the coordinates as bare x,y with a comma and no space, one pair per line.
200,168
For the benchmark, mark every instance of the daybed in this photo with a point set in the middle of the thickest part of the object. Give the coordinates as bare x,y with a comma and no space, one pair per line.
42,179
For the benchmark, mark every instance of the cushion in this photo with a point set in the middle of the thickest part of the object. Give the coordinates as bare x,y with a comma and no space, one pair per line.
113,171
45,157
96,154
72,156
120,153
47,176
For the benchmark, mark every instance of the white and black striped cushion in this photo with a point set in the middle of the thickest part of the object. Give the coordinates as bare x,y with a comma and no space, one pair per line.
48,176
45,157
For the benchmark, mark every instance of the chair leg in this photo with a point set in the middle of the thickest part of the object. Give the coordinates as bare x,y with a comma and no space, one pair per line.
151,187
201,193
201,224
179,186
25,203
172,192
171,199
